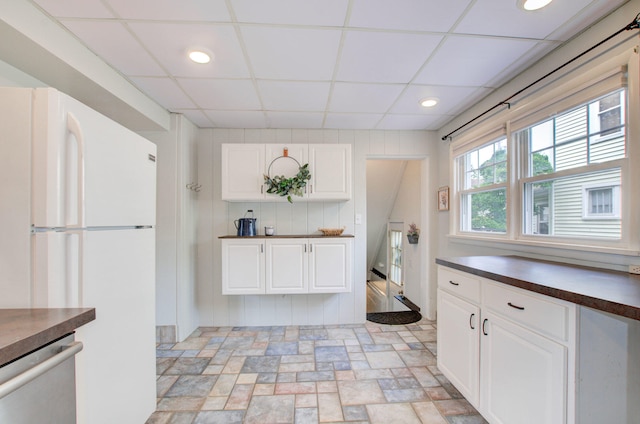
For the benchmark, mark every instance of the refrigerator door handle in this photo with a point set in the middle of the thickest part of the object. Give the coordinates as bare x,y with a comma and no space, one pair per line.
74,128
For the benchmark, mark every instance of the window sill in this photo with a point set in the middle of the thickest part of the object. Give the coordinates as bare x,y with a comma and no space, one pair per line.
548,248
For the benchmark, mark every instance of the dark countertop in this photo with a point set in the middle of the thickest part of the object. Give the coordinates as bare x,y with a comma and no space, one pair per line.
25,330
288,236
610,291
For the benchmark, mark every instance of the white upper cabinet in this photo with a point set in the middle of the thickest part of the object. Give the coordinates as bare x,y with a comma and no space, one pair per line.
330,167
242,172
245,165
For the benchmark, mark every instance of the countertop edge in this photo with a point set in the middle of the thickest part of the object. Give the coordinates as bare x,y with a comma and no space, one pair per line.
59,322
625,308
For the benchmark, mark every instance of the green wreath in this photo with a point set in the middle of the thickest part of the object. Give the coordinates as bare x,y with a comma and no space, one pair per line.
287,186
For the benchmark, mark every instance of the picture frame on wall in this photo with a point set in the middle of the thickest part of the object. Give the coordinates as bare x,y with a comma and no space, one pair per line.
443,198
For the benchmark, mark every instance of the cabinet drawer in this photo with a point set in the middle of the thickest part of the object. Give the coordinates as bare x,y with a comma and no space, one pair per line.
540,313
459,283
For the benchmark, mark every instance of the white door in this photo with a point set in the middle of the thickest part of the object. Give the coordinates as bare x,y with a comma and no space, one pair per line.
395,265
524,375
330,168
287,266
459,344
116,369
242,171
243,266
330,262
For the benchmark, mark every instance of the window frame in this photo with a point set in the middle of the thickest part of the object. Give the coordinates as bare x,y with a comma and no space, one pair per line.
563,93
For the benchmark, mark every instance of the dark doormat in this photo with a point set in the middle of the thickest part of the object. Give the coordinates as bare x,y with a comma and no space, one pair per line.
394,318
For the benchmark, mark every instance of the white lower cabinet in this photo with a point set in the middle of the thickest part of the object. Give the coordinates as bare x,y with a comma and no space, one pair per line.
459,344
287,265
510,352
243,266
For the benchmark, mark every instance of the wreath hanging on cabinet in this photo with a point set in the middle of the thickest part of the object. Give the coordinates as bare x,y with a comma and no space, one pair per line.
283,186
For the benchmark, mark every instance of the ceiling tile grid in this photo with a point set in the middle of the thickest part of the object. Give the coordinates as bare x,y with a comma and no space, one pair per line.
339,64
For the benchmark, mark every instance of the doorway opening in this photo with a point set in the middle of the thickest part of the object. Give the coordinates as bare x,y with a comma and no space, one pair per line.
394,190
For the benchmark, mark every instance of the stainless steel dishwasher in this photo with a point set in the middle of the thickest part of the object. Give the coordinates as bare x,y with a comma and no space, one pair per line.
40,387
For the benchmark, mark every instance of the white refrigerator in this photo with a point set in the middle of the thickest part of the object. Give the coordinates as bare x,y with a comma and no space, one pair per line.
77,203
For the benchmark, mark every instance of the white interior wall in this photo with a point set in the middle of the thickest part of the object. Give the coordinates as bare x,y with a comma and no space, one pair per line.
215,218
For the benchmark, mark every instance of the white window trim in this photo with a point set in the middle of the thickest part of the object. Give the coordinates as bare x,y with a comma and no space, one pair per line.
602,76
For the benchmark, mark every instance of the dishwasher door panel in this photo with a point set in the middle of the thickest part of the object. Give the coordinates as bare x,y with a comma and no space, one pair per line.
47,399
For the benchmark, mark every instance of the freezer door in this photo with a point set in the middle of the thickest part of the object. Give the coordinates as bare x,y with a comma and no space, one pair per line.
89,171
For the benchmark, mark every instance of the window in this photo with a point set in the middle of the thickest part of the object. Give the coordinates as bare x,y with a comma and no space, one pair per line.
557,170
601,202
565,154
395,268
483,195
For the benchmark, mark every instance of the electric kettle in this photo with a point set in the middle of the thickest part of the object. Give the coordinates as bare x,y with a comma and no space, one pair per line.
246,226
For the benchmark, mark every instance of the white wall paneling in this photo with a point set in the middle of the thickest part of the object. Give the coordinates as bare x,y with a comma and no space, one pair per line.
216,219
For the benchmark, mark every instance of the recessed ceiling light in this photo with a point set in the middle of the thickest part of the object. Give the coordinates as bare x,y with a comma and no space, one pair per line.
199,56
429,102
533,4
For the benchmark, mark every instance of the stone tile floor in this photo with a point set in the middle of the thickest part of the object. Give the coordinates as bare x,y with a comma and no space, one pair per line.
369,373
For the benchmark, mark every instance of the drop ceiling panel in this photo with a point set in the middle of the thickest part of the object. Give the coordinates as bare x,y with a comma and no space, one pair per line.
450,99
355,121
75,8
295,12
516,22
408,122
471,61
294,95
237,119
295,119
191,10
369,56
368,98
407,15
289,53
170,43
166,92
120,48
222,94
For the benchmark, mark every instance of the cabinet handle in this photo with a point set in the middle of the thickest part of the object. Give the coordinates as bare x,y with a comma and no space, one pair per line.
453,284
305,248
520,308
262,248
310,188
310,248
483,325
471,321
262,189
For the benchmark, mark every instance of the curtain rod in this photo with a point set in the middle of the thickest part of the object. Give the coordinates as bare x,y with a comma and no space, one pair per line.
635,24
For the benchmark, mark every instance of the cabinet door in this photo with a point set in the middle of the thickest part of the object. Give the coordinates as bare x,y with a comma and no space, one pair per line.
278,164
287,266
523,375
459,344
330,262
243,266
242,172
330,168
